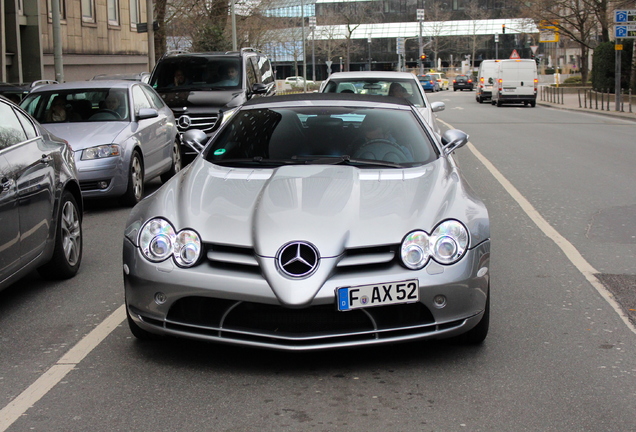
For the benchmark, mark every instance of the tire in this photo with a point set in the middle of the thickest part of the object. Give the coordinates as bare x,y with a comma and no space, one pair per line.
499,103
67,252
177,162
135,191
140,333
477,334
533,104
454,89
480,100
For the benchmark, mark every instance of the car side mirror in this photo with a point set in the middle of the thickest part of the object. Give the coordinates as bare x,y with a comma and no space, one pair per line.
438,106
195,139
146,113
452,140
259,88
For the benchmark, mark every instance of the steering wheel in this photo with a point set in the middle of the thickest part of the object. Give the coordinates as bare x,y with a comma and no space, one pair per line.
382,149
105,114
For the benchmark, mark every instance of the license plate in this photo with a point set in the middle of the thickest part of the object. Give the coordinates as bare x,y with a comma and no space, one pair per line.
510,89
382,294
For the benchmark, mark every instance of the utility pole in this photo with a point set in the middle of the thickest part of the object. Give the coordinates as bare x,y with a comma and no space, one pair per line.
57,41
150,18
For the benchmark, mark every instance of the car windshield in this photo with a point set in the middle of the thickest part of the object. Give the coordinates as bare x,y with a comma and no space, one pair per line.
363,137
406,88
82,105
197,73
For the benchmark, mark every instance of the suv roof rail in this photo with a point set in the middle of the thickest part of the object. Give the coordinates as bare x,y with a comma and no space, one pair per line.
250,49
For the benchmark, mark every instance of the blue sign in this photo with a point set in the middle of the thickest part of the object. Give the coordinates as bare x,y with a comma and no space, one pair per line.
625,16
625,31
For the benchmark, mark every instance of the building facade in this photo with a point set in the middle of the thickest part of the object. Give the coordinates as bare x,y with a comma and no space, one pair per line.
97,37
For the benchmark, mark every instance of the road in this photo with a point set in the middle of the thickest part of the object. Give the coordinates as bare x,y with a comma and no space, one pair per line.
561,354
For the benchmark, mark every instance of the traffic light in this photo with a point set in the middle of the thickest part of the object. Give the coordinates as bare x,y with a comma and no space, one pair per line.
503,29
423,57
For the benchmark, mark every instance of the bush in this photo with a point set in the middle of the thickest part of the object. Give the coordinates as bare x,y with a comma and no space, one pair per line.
603,64
573,80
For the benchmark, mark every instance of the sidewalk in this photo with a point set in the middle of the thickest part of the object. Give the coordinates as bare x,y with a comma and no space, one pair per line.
578,102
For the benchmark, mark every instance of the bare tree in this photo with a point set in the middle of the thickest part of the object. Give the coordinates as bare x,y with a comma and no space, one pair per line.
578,20
476,13
438,14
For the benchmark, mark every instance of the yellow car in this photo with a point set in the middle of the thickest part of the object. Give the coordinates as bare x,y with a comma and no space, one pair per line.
441,79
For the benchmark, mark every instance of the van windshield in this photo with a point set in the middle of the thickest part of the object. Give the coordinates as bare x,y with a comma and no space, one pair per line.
197,73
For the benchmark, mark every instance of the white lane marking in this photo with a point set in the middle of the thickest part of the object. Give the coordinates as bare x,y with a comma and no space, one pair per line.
568,248
56,373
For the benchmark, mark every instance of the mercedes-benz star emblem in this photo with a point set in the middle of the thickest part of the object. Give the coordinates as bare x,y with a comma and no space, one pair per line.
298,259
184,122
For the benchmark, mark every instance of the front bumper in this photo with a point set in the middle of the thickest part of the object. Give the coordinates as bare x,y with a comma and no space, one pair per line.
102,177
223,304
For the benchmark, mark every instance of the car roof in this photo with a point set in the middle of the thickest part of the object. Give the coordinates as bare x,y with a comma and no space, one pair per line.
328,99
80,85
372,74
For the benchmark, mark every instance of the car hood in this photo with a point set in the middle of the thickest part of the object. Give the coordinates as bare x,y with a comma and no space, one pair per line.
335,208
204,98
83,135
332,207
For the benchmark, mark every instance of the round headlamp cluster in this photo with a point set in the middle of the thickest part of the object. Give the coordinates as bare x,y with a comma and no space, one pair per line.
158,241
446,245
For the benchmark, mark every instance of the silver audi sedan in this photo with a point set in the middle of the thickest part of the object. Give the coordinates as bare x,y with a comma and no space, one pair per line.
313,222
121,132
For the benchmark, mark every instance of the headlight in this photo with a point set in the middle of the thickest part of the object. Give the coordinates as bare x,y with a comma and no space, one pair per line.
446,245
415,250
448,242
158,241
102,151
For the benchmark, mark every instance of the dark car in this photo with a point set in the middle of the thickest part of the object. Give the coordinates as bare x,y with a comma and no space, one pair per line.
200,87
16,92
313,221
40,200
463,82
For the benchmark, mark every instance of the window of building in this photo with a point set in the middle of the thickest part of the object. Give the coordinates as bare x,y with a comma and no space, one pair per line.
113,12
62,9
88,11
134,13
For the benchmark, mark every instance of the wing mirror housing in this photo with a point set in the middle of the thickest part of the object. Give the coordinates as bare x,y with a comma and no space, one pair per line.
195,139
438,106
452,140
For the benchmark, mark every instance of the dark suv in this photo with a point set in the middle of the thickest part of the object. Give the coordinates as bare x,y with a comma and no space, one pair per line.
463,82
200,87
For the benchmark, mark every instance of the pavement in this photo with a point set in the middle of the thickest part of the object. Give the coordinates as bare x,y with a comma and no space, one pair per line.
579,100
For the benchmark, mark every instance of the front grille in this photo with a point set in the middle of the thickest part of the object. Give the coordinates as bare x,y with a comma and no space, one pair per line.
244,259
278,326
204,122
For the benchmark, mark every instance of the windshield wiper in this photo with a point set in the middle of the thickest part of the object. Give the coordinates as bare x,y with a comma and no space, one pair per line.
259,160
347,160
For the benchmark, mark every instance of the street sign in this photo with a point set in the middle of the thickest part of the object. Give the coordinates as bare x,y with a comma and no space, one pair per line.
625,16
399,45
548,35
625,31
420,14
514,55
496,37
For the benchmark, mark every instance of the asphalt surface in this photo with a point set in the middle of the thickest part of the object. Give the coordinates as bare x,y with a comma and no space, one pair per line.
622,286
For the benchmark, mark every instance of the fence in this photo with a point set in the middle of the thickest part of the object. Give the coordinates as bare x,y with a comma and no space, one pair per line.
587,98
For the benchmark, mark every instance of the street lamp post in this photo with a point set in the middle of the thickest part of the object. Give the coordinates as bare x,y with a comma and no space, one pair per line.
312,26
420,18
369,42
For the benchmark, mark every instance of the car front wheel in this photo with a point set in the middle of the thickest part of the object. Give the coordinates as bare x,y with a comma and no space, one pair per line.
67,252
135,191
177,162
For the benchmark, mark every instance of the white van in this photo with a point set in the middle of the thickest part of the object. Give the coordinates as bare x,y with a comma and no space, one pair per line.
516,82
485,80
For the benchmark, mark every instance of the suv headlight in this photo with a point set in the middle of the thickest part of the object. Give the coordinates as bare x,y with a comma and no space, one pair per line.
102,151
158,241
446,245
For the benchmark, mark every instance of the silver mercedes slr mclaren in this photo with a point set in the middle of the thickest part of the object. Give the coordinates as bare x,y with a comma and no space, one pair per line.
313,222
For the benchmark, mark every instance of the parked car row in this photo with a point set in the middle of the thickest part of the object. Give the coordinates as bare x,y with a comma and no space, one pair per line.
346,230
